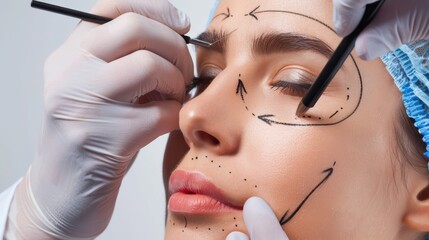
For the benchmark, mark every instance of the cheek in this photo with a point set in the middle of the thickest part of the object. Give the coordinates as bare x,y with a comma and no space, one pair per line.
290,164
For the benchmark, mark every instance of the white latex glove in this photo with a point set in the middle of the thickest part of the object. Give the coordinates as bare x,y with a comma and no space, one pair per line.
398,22
92,127
260,221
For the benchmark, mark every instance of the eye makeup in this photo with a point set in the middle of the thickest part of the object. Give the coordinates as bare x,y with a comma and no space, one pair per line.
293,82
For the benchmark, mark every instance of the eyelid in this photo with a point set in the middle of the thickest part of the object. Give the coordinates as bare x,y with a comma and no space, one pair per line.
296,75
209,70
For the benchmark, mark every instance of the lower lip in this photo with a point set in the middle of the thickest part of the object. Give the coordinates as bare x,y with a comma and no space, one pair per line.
197,204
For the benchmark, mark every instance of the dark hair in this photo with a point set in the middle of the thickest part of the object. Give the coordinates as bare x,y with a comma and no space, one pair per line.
410,143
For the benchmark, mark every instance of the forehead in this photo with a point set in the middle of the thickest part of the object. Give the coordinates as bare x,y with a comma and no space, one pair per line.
308,17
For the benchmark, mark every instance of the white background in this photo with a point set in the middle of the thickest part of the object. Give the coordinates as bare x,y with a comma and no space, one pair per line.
27,37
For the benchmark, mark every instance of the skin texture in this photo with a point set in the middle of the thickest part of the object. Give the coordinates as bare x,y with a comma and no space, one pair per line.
364,197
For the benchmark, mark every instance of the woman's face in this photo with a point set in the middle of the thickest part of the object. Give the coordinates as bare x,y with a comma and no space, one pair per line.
326,175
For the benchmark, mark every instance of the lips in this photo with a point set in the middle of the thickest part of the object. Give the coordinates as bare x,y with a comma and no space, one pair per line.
193,193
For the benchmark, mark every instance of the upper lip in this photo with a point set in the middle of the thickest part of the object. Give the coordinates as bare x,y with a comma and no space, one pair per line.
197,183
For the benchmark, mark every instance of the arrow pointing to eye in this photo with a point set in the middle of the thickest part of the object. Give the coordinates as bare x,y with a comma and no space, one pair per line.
241,89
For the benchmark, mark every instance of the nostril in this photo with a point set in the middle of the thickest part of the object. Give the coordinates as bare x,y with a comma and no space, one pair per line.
207,138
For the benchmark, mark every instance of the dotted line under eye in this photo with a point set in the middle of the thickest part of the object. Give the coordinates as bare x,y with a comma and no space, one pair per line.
337,111
242,91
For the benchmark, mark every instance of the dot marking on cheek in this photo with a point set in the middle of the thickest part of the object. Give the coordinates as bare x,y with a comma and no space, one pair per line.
235,223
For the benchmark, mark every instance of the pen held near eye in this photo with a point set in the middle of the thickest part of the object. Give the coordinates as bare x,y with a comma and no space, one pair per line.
88,17
336,61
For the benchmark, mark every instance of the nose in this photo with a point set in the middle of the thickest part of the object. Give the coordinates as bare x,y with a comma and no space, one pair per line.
211,121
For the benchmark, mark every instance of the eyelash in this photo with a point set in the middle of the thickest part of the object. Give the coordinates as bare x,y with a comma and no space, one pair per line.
293,89
198,81
288,88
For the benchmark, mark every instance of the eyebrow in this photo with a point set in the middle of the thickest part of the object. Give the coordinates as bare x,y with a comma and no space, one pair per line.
271,43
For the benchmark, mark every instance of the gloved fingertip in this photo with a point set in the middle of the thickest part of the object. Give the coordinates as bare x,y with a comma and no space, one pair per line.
362,53
181,22
257,204
176,19
339,26
261,221
185,22
237,236
368,48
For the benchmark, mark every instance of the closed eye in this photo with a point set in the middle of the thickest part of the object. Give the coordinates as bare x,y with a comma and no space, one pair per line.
292,89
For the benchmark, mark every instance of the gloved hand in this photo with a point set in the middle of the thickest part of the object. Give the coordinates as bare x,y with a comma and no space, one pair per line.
398,22
260,221
93,125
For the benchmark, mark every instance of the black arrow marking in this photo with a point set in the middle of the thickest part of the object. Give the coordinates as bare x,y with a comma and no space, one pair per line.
226,15
266,119
252,13
286,219
241,89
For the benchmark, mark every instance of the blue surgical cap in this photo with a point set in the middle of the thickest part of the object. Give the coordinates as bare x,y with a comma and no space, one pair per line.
409,67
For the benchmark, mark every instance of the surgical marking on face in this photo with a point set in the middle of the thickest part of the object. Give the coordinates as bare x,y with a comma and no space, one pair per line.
233,225
333,114
241,89
226,15
187,224
254,12
270,118
285,218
